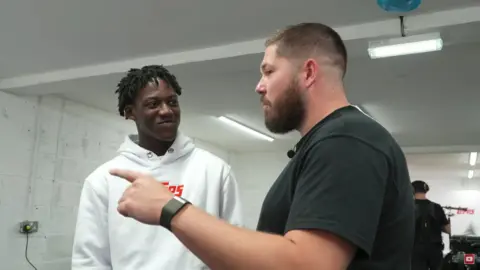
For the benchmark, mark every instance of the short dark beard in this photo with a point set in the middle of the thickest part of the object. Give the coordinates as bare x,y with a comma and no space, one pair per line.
288,112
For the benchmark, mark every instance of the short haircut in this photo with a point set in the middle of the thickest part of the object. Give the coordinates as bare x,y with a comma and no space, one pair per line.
307,39
420,186
137,79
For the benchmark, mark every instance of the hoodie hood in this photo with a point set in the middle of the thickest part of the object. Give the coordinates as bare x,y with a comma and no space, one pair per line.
182,146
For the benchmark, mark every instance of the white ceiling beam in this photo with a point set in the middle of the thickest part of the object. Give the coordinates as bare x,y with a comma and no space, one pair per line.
441,149
443,18
211,53
198,55
360,31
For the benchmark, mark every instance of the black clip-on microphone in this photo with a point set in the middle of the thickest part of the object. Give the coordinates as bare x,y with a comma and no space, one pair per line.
291,153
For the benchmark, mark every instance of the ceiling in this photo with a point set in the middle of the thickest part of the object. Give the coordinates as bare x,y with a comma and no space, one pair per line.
428,101
448,168
439,167
44,35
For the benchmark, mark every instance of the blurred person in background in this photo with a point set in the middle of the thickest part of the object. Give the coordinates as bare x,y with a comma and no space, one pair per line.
430,222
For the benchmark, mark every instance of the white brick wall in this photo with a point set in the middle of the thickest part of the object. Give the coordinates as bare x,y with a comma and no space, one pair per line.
47,147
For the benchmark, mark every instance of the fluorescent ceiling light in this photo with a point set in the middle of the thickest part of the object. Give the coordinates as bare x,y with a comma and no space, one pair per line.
405,45
245,129
470,174
473,158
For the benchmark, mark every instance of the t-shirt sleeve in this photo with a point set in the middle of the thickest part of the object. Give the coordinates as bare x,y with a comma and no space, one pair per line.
441,215
340,189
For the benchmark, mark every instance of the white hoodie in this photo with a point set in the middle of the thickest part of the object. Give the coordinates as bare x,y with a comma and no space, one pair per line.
104,239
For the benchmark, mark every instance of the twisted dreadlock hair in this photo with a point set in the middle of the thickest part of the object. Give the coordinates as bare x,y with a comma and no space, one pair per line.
137,79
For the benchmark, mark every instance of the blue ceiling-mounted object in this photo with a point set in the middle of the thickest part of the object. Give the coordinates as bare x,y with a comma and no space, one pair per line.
399,5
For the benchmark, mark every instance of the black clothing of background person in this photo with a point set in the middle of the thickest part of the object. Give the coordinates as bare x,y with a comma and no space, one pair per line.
430,222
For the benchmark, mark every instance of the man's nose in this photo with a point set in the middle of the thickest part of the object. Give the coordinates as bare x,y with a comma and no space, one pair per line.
261,89
165,109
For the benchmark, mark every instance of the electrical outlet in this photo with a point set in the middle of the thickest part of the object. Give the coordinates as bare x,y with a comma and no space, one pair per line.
28,226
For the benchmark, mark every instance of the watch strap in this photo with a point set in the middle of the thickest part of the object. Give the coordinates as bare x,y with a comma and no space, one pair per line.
170,210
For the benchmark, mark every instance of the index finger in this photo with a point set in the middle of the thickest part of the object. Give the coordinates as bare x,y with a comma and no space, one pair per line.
128,175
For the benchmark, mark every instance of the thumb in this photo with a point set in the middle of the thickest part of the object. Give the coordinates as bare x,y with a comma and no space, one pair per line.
130,176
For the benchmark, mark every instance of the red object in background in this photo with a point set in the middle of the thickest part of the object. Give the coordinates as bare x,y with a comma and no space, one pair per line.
469,259
467,212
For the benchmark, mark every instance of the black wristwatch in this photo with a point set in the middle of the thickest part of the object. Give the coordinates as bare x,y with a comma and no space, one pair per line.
170,210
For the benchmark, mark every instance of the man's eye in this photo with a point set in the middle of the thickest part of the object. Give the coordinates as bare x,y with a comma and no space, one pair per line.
152,104
173,103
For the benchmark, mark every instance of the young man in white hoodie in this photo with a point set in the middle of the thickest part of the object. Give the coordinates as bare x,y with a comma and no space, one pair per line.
104,239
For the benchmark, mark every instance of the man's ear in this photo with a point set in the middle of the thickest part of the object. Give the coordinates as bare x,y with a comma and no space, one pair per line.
310,69
129,113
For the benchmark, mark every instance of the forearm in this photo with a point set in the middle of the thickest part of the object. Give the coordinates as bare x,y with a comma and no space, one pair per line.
223,246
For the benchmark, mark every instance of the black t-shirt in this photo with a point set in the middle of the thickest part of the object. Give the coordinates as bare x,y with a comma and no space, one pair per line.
440,220
348,177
